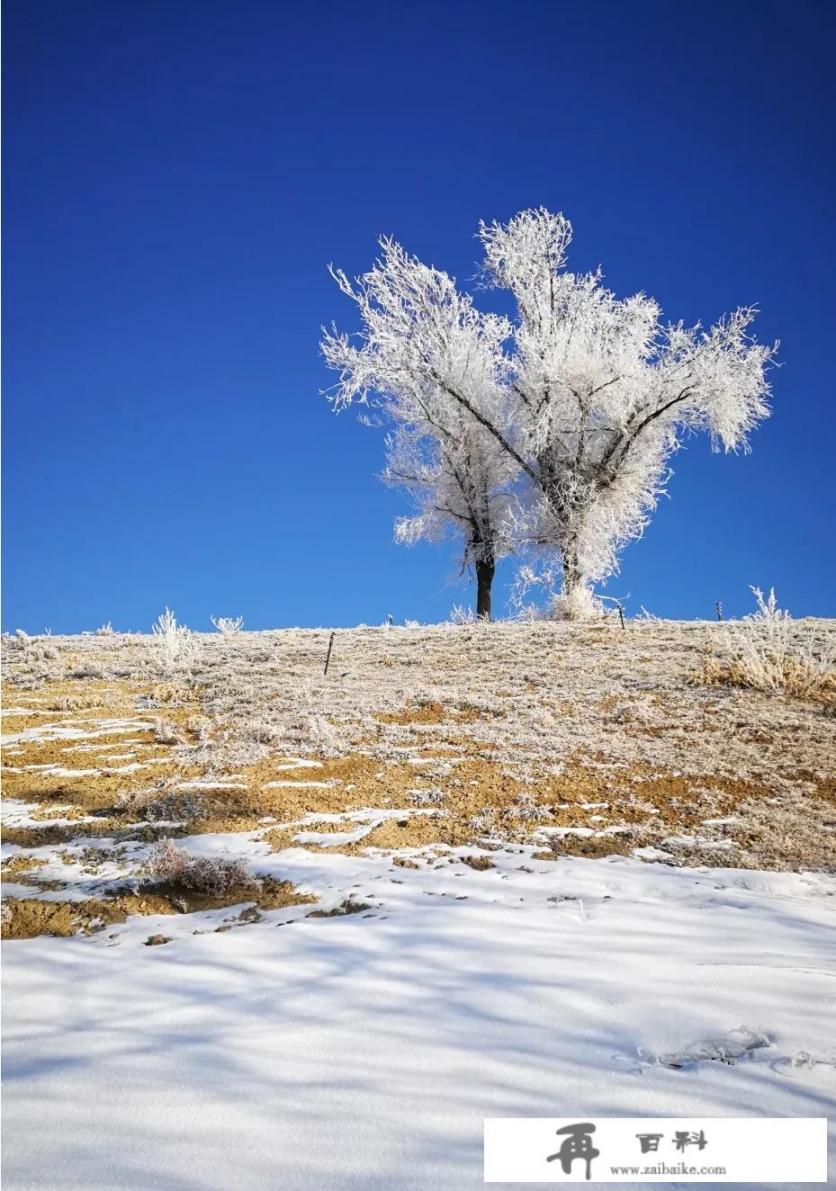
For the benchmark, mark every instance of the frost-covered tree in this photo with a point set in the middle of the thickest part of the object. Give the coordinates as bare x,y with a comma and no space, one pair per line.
586,395
455,479
605,394
455,468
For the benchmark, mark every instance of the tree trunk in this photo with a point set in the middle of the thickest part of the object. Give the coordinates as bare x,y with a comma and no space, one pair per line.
576,599
572,578
485,568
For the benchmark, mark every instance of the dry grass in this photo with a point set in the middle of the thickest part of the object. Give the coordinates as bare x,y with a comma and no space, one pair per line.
581,739
769,651
214,876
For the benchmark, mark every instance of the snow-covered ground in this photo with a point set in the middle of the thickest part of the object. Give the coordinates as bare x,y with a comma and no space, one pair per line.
363,1051
557,873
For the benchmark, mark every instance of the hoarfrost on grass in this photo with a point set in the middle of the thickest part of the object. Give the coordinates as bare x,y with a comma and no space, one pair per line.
769,651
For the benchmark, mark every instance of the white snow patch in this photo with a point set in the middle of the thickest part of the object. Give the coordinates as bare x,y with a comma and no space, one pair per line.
208,783
67,732
288,784
363,1052
14,812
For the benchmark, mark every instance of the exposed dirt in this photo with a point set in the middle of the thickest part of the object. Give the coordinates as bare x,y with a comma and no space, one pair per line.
25,918
267,894
349,906
428,713
473,734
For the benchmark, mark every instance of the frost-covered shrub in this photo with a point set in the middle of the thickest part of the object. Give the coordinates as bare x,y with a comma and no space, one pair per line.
646,616
231,753
262,731
165,805
228,626
575,603
201,727
175,644
211,875
769,651
460,615
431,797
309,729
165,732
483,821
36,660
527,809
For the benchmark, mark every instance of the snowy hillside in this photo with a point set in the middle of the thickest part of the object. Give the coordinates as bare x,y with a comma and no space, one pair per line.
473,870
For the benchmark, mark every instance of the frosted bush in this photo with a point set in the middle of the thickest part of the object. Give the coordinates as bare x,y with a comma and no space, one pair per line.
263,731
527,809
236,749
461,615
432,797
483,821
769,651
309,728
212,875
227,626
174,643
576,603
37,659
165,805
165,732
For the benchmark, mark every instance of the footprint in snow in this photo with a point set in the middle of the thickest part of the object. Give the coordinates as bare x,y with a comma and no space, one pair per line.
728,1048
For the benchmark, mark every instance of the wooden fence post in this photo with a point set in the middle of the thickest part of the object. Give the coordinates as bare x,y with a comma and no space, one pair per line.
328,656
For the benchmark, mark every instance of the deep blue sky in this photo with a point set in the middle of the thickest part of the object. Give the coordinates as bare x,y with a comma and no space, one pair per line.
179,173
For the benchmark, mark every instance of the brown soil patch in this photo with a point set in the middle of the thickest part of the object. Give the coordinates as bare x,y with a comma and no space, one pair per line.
25,918
682,800
268,894
422,713
224,823
17,866
825,790
47,814
482,798
104,828
479,863
418,831
428,713
594,846
347,907
282,838
94,791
